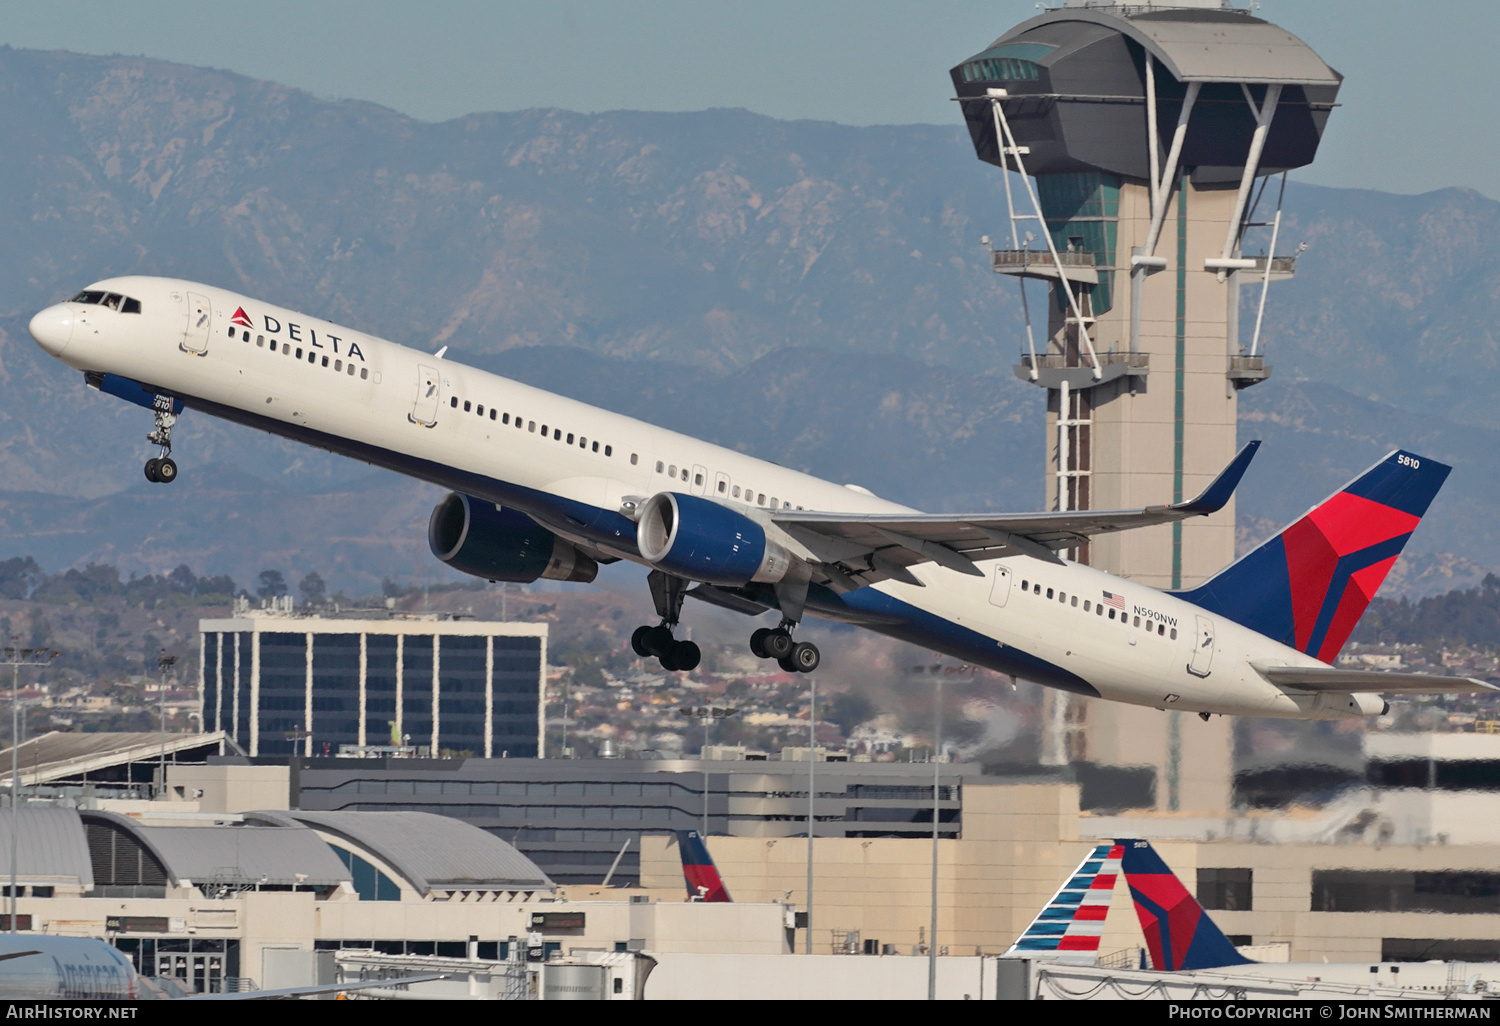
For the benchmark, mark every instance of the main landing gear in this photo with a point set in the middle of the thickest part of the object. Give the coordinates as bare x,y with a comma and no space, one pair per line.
161,468
667,592
791,656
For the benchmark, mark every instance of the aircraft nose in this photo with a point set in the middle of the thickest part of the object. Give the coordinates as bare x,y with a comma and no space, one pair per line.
53,328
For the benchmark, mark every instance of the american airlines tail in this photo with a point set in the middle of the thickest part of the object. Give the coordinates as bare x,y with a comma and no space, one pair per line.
703,883
1308,586
1069,926
1179,934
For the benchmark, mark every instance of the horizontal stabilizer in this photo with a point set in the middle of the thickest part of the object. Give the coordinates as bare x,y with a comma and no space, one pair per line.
1333,678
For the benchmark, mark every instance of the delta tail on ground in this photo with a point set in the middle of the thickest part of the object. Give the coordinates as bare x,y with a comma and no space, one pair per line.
698,869
546,487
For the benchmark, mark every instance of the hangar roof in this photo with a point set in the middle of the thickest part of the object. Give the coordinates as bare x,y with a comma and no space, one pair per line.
50,846
432,852
59,756
285,855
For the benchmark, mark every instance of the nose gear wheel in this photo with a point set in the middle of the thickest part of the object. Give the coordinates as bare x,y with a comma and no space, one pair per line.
161,468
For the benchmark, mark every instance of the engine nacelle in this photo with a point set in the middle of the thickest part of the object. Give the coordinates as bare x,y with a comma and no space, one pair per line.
699,539
473,536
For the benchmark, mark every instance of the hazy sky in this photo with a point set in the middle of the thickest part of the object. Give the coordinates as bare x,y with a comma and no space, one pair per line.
1410,66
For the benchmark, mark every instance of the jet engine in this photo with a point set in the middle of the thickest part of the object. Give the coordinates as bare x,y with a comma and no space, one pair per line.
478,538
689,536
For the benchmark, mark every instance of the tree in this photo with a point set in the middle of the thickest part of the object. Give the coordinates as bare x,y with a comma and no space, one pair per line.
272,584
314,591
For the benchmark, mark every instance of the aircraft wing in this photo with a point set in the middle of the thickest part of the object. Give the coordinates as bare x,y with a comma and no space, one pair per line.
1333,678
876,546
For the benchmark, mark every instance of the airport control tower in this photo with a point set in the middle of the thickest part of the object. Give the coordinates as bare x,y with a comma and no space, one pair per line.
1148,137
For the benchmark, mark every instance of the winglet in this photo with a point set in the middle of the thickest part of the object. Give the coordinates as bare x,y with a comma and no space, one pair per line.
1213,498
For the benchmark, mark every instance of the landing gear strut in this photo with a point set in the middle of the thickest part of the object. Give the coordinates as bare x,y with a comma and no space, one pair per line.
161,468
647,641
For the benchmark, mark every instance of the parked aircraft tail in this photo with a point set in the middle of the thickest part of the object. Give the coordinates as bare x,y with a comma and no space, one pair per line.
703,883
1179,934
1069,926
1308,586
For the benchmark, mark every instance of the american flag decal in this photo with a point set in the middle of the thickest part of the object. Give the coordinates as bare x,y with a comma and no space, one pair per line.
1111,599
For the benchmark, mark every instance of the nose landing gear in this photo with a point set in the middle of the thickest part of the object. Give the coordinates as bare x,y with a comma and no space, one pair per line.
161,468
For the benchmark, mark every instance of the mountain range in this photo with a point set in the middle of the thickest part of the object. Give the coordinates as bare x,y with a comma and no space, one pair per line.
810,292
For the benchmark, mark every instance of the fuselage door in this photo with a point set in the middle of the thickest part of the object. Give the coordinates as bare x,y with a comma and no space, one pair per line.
429,390
1203,648
721,485
1000,592
200,320
700,480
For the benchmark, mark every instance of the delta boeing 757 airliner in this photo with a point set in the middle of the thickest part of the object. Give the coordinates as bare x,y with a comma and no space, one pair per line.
546,487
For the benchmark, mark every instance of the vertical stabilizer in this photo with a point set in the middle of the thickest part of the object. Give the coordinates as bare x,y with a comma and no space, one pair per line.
1069,926
1308,586
702,876
1179,934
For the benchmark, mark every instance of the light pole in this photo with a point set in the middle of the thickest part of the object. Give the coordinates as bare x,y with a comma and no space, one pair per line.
164,663
18,657
707,714
937,747
812,762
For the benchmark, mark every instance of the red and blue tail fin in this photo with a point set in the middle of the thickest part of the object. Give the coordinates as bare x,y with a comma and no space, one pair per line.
1069,926
1179,934
703,883
1308,586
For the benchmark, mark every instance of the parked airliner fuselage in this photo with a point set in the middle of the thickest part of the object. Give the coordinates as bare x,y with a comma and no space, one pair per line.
582,471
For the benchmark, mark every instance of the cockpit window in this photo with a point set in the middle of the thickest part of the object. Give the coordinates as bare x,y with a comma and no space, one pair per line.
113,300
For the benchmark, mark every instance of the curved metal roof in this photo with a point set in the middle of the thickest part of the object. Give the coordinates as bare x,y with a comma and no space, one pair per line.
432,852
288,855
1203,45
1075,86
60,755
51,845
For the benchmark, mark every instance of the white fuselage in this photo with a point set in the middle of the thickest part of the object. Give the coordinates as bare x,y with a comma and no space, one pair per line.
420,415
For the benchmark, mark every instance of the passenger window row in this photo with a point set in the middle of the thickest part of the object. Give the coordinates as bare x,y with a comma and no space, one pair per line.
112,300
479,409
759,498
339,365
1099,609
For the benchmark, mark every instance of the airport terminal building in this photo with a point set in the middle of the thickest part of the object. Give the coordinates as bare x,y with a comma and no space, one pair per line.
281,685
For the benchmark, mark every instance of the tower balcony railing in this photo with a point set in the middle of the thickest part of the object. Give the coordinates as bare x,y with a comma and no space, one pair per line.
1245,371
1253,269
1038,263
1050,370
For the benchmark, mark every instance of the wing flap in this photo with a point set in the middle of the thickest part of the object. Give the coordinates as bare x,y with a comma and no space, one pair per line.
1334,678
